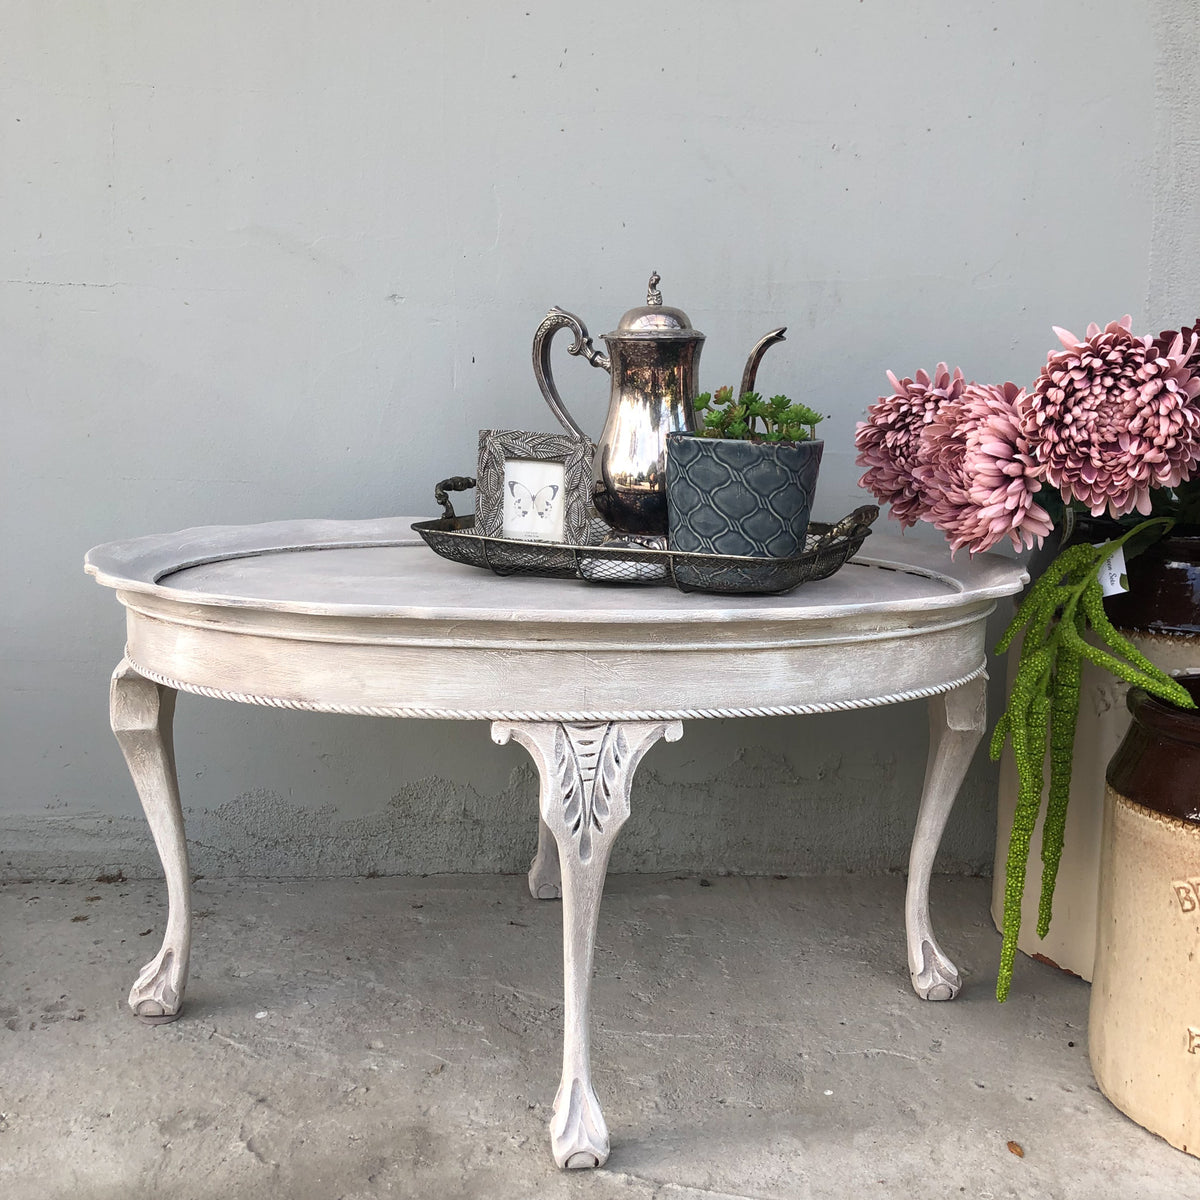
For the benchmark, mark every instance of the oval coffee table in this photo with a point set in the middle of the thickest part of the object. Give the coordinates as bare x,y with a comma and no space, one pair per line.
361,617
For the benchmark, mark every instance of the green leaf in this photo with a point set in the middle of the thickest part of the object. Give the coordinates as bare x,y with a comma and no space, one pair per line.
805,415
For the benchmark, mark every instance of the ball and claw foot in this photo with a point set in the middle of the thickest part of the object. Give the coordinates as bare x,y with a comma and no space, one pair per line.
546,891
156,997
578,1134
938,978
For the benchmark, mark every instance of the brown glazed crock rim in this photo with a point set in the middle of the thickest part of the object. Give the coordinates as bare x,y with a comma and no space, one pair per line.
1165,718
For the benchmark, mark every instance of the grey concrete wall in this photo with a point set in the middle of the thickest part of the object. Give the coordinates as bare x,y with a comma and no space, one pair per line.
279,260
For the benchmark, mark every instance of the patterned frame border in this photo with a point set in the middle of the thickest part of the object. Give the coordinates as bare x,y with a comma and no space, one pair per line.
497,446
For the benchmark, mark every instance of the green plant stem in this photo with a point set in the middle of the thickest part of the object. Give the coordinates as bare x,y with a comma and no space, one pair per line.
1057,614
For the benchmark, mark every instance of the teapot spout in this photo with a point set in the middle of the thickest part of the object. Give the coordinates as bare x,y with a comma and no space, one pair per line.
761,347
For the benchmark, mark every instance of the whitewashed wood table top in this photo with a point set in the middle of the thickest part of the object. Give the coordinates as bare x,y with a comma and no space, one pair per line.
381,568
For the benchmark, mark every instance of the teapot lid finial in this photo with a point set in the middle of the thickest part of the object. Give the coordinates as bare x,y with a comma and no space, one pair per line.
654,319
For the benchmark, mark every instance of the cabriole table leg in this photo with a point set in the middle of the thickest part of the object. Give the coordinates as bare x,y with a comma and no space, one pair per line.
956,723
586,770
142,714
545,878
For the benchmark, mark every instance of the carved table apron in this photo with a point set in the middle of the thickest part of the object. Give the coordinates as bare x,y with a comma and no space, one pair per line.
360,617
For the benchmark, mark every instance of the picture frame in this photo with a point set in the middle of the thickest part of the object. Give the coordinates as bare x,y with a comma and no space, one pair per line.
534,486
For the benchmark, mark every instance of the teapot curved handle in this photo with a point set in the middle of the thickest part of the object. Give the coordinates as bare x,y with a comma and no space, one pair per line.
555,320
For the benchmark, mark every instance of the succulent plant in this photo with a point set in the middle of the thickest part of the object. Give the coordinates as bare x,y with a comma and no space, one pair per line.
753,419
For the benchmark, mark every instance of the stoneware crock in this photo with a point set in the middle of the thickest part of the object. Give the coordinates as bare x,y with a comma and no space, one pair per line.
1144,1022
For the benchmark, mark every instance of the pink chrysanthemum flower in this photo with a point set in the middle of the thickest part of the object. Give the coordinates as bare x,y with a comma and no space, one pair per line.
976,477
1113,416
888,440
1163,342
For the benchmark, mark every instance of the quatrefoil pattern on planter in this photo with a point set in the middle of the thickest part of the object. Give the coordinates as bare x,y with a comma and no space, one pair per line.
744,498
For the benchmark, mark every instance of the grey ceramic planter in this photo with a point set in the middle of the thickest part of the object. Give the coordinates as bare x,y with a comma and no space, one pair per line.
746,498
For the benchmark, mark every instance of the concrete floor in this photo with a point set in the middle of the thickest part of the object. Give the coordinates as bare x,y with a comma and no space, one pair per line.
400,1037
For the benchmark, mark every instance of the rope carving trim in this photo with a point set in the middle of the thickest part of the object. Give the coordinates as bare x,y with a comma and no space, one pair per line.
493,714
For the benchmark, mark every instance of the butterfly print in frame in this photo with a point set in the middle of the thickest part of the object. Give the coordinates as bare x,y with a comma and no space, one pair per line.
534,486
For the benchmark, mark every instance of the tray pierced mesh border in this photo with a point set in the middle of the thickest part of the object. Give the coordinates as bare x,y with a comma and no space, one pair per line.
827,548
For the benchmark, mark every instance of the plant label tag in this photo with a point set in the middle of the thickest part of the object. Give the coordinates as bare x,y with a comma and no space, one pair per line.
1112,577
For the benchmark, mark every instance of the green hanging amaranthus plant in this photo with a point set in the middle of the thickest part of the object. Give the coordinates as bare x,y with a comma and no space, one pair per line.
1063,607
1110,426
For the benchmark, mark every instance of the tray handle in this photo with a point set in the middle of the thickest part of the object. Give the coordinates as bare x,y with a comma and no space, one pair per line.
456,483
856,525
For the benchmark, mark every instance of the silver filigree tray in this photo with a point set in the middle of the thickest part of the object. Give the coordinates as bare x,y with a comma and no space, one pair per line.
827,548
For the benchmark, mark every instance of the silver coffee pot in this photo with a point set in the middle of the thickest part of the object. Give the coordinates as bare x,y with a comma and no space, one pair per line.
653,356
